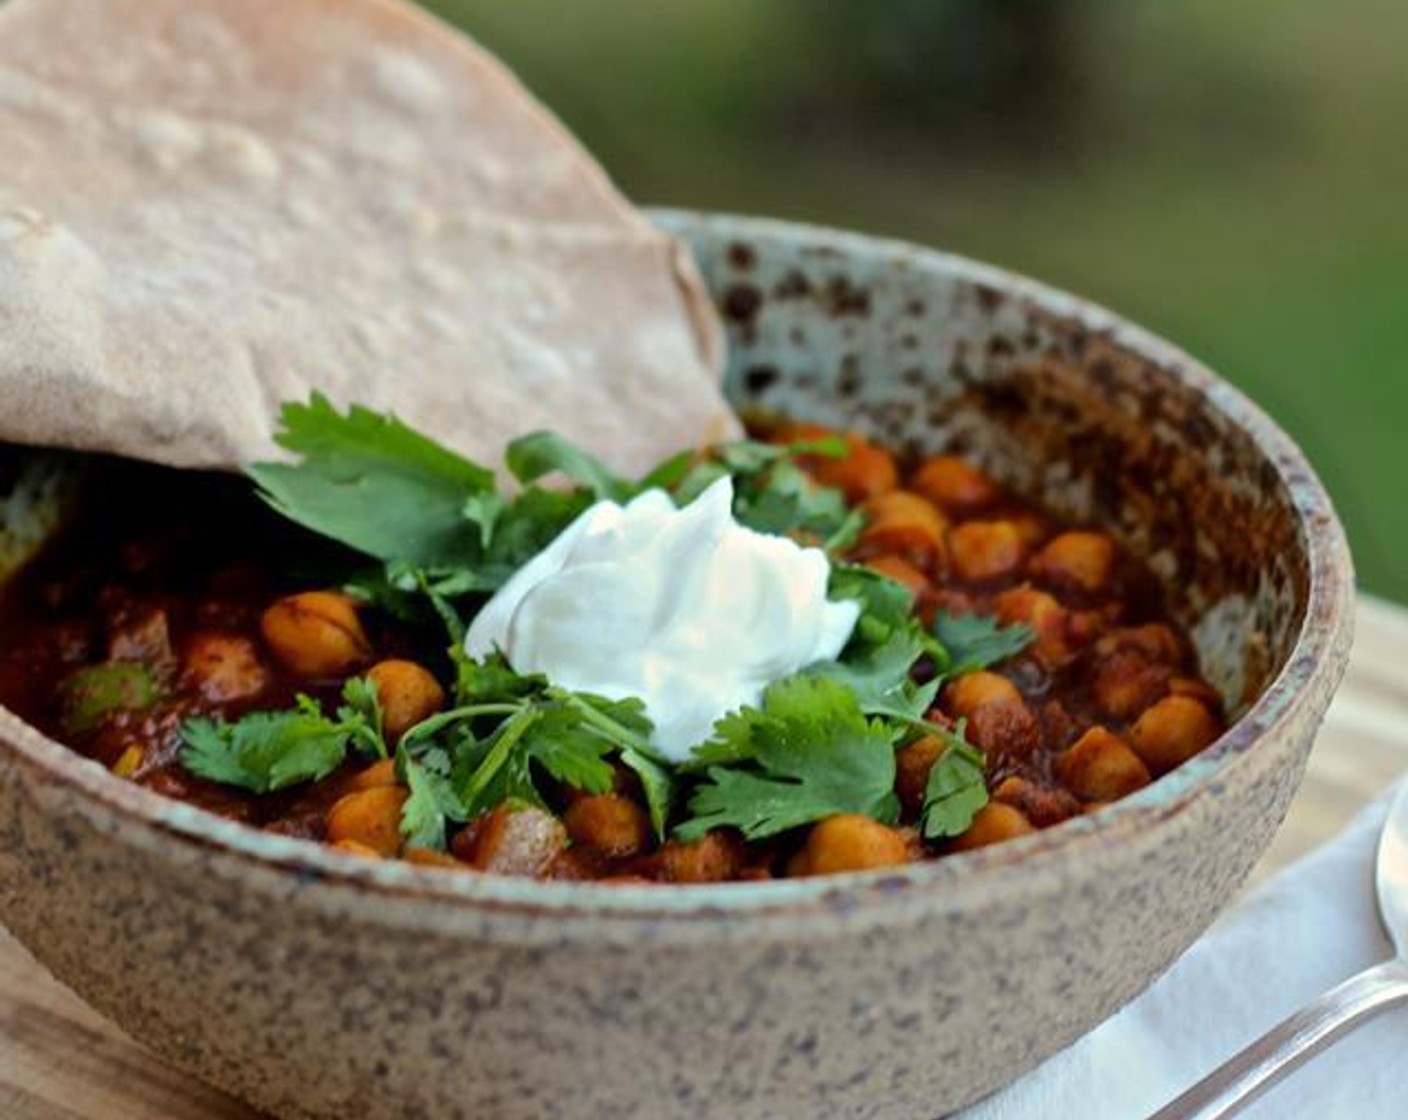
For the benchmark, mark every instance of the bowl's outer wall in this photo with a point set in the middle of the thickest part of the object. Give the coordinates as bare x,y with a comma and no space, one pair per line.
327,988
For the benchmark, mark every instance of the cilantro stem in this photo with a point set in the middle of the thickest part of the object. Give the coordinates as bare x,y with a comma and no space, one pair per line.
431,724
845,534
609,728
510,732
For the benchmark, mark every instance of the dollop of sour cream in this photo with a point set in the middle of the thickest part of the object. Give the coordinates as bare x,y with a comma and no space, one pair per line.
684,608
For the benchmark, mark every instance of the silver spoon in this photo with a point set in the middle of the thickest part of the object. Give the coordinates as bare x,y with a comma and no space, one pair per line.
1245,1076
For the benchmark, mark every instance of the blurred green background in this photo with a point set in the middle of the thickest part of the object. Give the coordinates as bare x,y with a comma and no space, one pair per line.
1233,175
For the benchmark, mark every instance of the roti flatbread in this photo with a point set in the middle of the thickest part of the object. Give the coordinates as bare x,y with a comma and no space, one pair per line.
208,207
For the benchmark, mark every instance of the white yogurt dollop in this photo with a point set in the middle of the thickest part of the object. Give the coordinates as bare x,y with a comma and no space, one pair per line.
683,608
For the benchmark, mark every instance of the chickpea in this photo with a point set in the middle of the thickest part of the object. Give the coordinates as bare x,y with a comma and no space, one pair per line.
224,667
912,766
954,486
905,524
371,817
1056,642
975,690
315,635
1125,683
713,858
850,842
513,840
984,550
356,848
380,773
429,857
1079,560
1173,731
1154,641
1101,767
1058,725
1009,728
1031,527
901,571
1040,804
408,694
1198,690
992,824
613,825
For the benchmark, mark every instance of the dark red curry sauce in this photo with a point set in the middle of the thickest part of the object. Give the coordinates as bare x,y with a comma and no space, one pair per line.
180,574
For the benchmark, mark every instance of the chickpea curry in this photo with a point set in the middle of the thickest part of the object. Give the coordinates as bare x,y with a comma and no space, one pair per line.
305,668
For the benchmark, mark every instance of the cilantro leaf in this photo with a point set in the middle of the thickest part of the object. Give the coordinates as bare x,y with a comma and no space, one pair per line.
264,751
623,723
880,677
493,770
784,500
531,457
956,789
570,750
483,508
669,473
508,725
658,784
489,679
771,493
699,478
527,525
430,803
374,484
806,754
885,604
976,641
887,642
360,715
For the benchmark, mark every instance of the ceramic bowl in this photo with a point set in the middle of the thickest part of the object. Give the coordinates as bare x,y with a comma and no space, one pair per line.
314,984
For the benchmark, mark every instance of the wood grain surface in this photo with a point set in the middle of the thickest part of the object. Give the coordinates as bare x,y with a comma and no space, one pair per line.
61,1061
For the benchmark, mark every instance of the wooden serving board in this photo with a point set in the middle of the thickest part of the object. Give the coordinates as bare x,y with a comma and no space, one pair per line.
61,1061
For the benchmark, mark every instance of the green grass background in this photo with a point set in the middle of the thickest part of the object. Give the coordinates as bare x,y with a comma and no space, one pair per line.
1233,175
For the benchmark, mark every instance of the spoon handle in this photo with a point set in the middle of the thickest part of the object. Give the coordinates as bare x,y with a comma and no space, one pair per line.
1246,1075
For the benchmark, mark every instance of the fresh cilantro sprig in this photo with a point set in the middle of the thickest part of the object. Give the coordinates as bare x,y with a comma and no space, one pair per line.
267,751
373,483
956,788
772,494
888,642
975,641
762,781
806,754
430,801
507,732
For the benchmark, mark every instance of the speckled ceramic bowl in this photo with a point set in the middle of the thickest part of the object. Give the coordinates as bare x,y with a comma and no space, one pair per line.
319,985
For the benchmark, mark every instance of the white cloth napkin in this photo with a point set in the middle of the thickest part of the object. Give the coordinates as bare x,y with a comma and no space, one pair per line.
1294,937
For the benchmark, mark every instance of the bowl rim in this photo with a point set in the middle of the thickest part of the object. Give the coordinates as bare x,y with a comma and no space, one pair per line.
1317,659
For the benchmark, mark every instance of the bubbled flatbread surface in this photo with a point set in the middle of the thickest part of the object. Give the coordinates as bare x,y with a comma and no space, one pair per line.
208,207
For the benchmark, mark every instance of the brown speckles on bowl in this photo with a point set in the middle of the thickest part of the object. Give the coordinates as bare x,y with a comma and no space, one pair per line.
319,985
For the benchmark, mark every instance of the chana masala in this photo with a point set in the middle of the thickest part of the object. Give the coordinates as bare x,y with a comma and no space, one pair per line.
301,668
